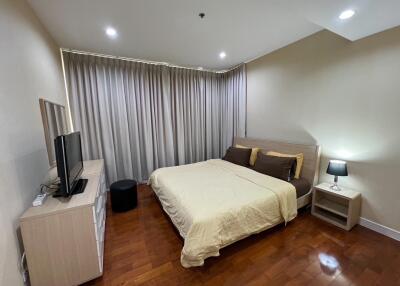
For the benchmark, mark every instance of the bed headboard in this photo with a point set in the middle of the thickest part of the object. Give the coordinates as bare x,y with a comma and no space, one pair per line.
310,170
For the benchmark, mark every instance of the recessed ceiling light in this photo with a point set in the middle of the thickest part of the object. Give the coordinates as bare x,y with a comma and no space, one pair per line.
222,55
111,32
346,14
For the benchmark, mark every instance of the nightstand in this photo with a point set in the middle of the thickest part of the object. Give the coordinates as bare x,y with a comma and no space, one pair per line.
341,208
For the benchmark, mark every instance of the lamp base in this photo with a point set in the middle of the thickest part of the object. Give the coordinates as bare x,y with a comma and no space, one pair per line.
335,188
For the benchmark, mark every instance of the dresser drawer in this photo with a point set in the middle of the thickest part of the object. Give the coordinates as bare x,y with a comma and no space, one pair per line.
100,242
101,232
99,223
101,257
100,203
100,248
99,206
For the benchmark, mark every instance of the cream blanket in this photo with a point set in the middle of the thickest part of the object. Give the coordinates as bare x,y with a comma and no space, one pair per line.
215,203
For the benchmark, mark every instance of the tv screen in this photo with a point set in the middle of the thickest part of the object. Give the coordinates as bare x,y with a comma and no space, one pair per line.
74,157
69,162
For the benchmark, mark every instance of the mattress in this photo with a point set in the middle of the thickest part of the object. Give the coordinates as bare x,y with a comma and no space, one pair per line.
215,203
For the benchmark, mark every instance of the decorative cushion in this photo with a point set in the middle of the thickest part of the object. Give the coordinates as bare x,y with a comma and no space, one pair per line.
253,155
238,156
278,167
299,160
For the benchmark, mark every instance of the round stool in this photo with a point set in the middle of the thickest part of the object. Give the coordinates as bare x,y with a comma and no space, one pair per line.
123,195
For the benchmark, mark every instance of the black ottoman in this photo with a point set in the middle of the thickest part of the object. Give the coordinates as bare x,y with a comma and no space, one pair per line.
123,195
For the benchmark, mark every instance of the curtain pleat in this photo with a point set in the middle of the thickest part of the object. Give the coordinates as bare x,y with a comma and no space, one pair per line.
139,117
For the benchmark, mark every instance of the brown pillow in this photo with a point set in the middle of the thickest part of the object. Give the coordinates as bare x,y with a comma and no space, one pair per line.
238,156
278,167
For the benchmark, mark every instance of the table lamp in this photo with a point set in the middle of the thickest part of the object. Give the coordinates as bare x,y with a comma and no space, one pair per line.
337,168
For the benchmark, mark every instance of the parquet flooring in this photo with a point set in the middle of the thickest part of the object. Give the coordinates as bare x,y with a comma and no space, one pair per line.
143,248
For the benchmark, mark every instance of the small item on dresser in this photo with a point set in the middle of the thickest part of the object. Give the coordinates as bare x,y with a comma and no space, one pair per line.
123,195
337,168
38,201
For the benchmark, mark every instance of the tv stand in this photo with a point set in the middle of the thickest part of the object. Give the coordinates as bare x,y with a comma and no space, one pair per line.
80,186
78,189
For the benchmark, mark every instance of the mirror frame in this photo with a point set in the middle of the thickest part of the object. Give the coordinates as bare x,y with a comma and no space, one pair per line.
45,121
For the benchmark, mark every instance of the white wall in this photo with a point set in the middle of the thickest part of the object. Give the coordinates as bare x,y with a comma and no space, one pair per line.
346,97
30,68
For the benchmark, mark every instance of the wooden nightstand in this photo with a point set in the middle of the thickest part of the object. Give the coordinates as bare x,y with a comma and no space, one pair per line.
341,208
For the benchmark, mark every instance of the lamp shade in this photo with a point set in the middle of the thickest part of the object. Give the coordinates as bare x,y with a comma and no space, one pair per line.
337,168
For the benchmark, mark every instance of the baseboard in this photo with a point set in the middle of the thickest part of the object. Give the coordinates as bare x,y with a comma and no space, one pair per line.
387,231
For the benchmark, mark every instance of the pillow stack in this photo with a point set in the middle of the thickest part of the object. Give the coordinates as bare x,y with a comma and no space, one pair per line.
275,164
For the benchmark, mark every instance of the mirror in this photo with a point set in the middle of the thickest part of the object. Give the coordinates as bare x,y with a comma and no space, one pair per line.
54,123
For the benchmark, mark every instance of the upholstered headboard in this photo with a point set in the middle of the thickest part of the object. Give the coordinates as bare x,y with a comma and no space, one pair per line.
310,170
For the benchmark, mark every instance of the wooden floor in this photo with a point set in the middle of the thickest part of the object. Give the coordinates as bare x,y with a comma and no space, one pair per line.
143,248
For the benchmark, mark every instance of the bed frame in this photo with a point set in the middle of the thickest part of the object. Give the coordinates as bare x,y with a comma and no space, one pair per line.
310,169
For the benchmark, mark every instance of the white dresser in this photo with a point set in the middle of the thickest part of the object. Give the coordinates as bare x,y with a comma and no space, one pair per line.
64,238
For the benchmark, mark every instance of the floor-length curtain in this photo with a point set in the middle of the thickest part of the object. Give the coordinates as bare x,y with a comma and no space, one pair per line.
139,116
208,110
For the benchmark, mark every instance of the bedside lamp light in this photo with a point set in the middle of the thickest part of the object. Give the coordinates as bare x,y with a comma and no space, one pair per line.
337,168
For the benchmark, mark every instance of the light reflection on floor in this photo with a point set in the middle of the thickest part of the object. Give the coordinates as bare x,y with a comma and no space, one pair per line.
329,264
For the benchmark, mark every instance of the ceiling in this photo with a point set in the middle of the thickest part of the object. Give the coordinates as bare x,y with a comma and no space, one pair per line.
371,16
171,30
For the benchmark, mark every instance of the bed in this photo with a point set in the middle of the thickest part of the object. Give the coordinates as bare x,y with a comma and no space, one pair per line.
215,203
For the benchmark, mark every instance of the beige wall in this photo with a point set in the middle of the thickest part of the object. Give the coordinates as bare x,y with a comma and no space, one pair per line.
346,97
29,68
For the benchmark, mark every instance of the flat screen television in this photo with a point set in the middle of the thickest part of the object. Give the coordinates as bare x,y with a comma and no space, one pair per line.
68,150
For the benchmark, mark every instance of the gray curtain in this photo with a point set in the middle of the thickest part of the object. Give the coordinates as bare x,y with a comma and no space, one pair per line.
139,117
